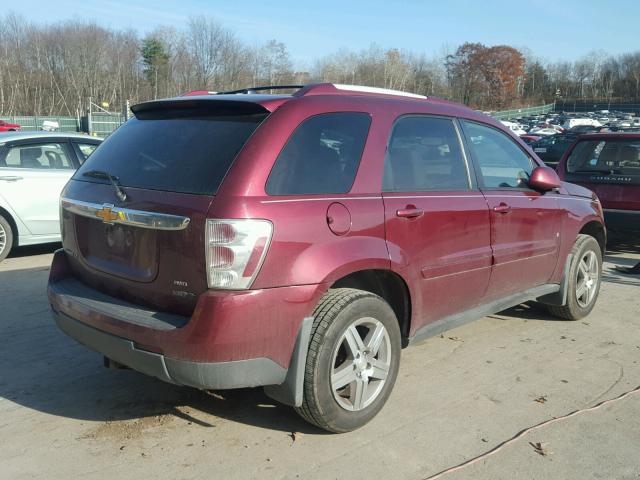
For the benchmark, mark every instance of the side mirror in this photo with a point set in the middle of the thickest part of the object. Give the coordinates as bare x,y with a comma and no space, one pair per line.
544,179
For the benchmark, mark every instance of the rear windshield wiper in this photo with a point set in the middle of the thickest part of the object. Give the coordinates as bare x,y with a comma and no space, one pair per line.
122,196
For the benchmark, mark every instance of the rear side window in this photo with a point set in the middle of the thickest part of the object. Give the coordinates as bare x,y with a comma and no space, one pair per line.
620,157
321,156
84,150
424,155
40,156
503,164
187,153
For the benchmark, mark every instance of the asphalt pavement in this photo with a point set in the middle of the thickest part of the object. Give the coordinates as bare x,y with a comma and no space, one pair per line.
64,416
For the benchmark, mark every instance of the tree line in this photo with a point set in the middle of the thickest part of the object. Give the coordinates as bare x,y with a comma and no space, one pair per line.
54,69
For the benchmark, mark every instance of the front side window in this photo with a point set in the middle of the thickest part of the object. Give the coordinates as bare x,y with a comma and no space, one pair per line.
424,155
620,157
321,156
40,156
502,163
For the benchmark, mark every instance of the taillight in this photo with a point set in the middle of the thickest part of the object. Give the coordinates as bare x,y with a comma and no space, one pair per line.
235,251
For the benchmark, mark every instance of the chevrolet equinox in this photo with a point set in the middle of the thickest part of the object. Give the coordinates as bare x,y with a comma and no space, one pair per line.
299,242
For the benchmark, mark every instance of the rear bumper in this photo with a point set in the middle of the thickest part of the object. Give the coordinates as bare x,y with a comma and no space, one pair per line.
622,220
215,376
232,340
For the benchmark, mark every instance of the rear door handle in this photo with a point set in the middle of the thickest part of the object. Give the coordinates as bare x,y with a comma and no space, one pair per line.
502,208
409,212
10,179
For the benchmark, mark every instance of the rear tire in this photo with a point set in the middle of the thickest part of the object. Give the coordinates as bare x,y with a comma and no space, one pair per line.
353,360
584,280
6,238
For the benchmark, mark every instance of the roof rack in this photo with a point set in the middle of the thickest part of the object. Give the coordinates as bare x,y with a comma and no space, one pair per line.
314,89
376,90
251,90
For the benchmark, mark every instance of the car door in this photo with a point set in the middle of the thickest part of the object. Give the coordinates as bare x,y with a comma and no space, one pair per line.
436,221
525,223
32,175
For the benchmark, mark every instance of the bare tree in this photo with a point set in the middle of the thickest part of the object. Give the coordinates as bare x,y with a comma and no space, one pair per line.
53,69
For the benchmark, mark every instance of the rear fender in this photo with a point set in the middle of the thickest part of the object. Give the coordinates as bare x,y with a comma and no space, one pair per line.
328,262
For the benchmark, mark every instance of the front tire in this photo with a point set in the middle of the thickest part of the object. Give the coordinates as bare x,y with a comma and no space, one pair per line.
584,280
6,238
353,360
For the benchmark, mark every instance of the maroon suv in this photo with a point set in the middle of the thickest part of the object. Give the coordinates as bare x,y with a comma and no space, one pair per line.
298,242
608,164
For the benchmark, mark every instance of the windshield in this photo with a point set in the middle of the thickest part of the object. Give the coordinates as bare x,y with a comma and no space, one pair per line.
187,153
606,156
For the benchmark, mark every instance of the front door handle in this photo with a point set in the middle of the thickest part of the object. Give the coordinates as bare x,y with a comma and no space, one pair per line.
10,179
502,208
410,211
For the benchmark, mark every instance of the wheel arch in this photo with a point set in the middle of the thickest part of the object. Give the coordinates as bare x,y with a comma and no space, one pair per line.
596,230
12,223
388,285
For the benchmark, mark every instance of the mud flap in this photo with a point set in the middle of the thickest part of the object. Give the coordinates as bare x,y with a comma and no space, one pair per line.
290,392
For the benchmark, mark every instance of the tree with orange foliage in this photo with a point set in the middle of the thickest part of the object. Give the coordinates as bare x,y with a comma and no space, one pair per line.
486,77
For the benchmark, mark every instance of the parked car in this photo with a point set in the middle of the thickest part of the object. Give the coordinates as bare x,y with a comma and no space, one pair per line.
579,129
529,139
574,122
331,227
516,128
543,131
34,167
608,164
8,127
551,148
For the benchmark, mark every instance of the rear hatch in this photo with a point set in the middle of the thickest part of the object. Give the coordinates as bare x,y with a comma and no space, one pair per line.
610,167
134,214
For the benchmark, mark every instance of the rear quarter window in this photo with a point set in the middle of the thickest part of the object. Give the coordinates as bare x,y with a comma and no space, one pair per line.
321,156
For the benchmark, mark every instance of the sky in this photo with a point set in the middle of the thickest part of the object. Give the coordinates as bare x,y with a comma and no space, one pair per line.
551,29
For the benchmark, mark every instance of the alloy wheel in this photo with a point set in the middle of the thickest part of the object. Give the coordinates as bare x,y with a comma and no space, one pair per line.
3,238
361,363
587,279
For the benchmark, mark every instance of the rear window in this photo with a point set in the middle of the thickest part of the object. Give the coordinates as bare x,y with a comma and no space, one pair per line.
189,152
617,157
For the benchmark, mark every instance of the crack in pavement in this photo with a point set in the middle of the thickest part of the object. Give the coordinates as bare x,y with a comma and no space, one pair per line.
612,386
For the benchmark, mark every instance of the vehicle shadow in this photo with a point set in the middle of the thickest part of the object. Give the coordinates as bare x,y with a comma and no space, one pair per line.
32,250
527,311
621,251
44,370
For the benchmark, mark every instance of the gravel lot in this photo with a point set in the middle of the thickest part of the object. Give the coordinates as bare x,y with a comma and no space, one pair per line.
62,415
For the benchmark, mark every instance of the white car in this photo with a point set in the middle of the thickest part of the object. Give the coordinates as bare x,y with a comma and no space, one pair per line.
34,168
514,127
543,131
574,122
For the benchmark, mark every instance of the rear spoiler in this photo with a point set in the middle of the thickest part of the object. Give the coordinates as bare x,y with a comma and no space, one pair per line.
206,105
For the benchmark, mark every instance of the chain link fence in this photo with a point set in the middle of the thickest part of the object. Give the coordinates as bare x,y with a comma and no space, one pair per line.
594,104
102,124
97,124
523,112
34,123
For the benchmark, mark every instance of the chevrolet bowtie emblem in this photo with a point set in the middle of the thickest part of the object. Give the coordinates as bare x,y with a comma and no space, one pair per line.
106,214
